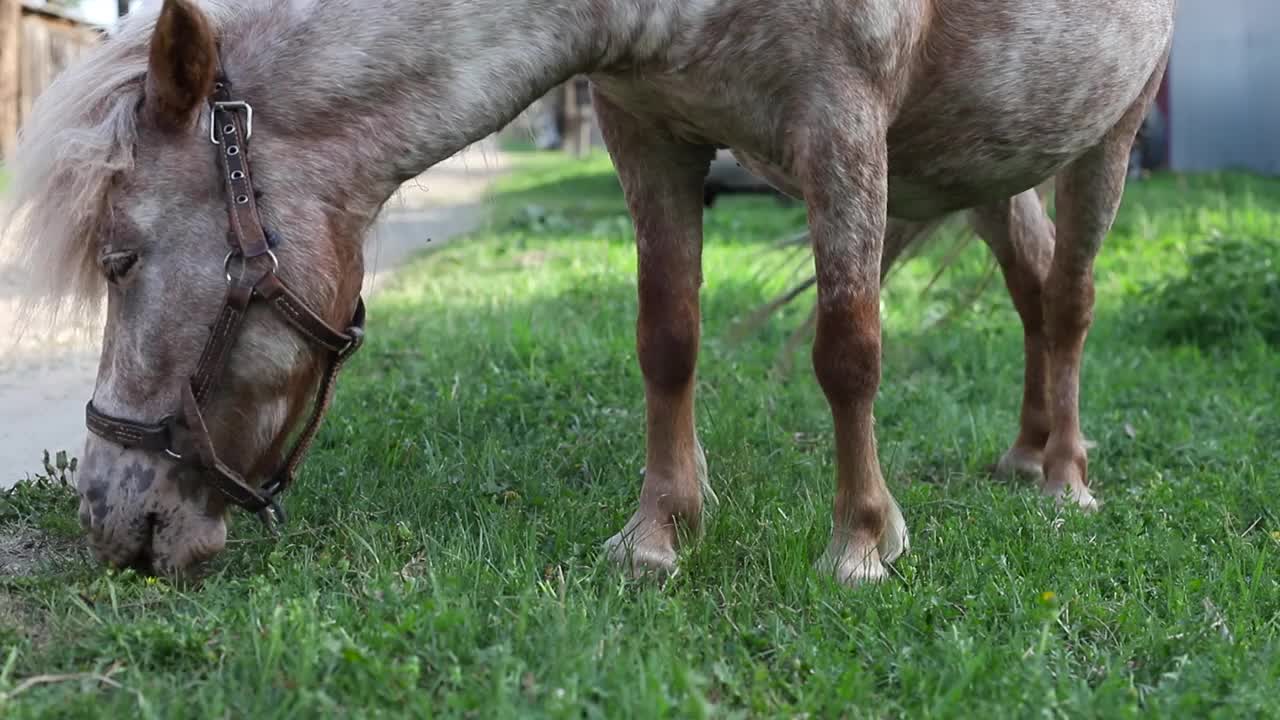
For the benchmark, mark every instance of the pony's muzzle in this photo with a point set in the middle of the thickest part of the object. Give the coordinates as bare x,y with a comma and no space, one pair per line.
144,511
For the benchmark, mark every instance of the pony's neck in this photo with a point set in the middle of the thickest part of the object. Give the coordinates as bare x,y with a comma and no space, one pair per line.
380,92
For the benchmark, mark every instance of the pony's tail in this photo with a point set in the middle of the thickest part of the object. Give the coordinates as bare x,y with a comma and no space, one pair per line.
902,243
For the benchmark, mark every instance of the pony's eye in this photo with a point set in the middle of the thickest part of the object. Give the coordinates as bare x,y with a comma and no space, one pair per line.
117,265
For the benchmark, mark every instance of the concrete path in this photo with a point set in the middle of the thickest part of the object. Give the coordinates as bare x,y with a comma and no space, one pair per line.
46,379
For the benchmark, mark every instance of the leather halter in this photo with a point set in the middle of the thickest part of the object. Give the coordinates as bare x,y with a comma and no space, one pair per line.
184,436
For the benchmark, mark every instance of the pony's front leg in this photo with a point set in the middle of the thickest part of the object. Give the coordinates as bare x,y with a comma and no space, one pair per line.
662,180
845,180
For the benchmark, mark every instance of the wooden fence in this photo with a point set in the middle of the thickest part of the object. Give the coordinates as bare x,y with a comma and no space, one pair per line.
566,108
36,43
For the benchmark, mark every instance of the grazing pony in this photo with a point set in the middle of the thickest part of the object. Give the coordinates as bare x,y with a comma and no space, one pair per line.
282,126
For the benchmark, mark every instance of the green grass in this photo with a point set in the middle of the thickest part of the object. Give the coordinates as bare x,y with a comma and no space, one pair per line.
444,553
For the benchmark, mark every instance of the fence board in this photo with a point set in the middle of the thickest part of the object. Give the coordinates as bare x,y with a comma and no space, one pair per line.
10,22
48,46
43,45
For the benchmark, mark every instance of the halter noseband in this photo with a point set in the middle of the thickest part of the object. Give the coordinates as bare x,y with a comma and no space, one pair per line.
230,132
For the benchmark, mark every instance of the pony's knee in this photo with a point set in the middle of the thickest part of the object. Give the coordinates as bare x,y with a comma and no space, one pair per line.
846,351
1068,305
667,336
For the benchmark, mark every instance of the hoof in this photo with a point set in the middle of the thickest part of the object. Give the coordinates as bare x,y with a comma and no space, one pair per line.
1020,462
643,550
853,563
1073,494
895,542
1066,484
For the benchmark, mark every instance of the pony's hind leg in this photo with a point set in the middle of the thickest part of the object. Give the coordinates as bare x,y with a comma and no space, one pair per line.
662,180
1020,236
1088,195
844,174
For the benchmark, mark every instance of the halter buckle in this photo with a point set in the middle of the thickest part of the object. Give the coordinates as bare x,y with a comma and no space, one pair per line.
172,423
230,105
357,339
273,517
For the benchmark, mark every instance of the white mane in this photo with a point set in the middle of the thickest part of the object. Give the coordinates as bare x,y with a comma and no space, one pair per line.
80,135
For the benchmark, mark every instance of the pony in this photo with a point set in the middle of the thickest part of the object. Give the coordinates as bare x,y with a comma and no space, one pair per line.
878,114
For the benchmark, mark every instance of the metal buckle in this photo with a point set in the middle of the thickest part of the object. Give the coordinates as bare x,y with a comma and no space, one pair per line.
226,264
273,517
273,486
230,105
357,339
172,422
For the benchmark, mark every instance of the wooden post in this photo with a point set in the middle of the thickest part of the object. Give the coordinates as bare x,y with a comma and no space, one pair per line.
571,135
122,7
10,52
579,116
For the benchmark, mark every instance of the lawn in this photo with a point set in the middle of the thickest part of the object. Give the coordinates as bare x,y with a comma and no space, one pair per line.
443,557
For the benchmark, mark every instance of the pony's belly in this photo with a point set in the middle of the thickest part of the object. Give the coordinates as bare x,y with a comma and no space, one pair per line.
909,198
925,196
920,202
1016,102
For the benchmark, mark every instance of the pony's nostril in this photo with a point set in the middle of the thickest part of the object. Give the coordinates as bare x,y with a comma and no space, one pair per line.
144,560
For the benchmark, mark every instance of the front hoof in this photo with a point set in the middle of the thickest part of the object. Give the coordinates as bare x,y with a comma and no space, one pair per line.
852,564
643,550
1065,481
853,561
1072,493
895,542
1020,462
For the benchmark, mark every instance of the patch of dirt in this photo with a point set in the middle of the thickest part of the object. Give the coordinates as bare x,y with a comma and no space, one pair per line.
26,551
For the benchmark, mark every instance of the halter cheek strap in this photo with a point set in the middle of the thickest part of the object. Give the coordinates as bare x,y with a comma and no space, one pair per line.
184,435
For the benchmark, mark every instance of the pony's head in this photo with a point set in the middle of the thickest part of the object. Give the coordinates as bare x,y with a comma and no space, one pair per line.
120,193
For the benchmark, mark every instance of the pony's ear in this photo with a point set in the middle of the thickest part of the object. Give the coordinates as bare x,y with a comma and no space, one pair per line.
182,66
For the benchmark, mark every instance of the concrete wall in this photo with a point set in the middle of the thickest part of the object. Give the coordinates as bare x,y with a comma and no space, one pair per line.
1224,86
